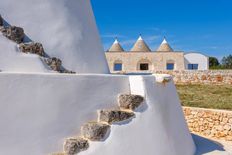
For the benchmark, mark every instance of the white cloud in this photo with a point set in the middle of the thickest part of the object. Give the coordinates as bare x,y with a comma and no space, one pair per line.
128,42
152,38
112,36
157,29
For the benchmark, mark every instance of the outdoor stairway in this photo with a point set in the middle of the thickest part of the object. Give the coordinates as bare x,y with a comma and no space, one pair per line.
17,35
99,130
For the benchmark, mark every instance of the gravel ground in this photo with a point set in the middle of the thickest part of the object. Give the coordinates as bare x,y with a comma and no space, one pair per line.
207,146
226,145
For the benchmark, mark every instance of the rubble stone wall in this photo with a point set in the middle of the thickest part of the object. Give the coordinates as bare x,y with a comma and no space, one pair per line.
209,122
200,77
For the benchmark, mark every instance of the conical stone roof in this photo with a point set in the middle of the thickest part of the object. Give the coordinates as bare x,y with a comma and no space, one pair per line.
116,47
164,47
140,46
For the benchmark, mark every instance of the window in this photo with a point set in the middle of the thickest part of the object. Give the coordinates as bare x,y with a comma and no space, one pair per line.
118,67
193,66
144,66
170,66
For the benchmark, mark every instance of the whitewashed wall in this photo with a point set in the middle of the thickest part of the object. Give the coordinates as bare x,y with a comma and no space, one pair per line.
66,28
158,129
197,58
11,59
37,111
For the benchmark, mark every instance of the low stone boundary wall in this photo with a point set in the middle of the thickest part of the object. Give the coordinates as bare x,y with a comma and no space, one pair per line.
209,122
200,77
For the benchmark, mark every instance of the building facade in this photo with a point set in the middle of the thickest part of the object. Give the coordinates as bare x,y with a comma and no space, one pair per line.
140,59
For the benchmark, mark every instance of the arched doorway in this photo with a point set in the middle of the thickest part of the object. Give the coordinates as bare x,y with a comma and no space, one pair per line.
144,65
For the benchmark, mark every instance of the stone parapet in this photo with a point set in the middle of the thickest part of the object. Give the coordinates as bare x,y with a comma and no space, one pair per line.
200,77
209,122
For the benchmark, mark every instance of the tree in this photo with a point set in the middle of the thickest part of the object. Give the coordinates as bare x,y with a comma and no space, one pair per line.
213,62
227,61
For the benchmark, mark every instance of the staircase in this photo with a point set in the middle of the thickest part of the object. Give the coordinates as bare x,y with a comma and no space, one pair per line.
17,35
99,130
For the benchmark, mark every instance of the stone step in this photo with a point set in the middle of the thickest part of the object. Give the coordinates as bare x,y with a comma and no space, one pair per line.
74,145
14,33
17,35
130,101
54,63
95,131
32,47
114,116
99,131
164,79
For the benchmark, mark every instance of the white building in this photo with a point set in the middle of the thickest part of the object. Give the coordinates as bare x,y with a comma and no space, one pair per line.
197,61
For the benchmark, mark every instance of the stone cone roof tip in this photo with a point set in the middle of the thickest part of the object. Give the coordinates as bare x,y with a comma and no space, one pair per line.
164,41
116,41
140,38
165,47
116,47
140,46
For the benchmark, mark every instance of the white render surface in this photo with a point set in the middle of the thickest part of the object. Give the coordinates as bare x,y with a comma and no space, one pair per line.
159,127
38,111
66,28
11,59
197,58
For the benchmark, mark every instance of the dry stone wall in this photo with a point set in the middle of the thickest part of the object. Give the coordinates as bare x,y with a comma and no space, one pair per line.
200,77
209,122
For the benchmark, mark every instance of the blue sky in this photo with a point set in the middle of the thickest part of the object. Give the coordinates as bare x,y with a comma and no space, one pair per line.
189,25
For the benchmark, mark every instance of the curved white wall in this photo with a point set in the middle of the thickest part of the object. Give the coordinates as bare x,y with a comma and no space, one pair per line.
11,59
66,28
159,127
37,111
197,58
